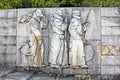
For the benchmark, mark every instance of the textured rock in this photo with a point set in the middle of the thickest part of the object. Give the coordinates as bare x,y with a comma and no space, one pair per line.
18,76
110,31
110,21
110,60
115,12
4,72
110,70
110,40
12,14
8,22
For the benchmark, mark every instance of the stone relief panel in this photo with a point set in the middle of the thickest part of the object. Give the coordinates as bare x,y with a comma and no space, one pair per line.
46,37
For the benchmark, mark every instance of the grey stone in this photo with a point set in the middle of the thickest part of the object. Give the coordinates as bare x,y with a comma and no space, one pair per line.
11,40
8,22
12,31
110,60
12,14
110,31
18,76
3,48
3,39
110,40
110,21
11,49
110,70
3,31
4,72
3,14
115,12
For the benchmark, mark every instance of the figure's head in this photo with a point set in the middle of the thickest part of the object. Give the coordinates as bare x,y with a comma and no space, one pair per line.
38,14
76,14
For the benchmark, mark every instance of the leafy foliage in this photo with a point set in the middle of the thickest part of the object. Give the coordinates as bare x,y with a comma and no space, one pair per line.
7,4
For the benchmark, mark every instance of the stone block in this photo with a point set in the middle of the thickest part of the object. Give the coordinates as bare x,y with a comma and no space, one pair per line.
110,70
110,50
8,22
110,60
11,40
3,48
11,58
106,12
110,21
12,13
110,40
3,39
12,31
3,14
11,49
2,59
110,31
3,31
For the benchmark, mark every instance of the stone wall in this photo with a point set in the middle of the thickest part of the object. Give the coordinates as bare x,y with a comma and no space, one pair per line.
103,57
110,43
8,27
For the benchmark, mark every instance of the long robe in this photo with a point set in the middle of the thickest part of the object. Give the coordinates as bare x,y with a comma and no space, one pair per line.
58,48
36,43
76,52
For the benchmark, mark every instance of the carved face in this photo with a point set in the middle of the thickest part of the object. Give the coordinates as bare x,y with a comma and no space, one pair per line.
39,14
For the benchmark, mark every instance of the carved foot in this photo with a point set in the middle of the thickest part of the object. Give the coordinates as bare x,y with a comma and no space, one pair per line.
84,66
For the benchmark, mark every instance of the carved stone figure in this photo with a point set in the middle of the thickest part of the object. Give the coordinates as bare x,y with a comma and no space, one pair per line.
76,52
35,44
58,47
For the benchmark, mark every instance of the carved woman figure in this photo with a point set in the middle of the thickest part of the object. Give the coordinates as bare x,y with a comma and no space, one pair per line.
36,46
76,52
58,48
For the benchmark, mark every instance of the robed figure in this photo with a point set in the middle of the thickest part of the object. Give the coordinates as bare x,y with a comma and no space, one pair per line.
58,48
76,52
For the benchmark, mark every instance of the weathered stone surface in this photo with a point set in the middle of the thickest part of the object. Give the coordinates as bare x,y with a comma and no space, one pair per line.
8,22
110,70
3,48
11,49
3,39
110,40
11,58
11,40
110,60
115,12
110,31
110,21
110,50
3,14
12,14
23,30
93,56
95,14
4,72
18,76
3,31
12,31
